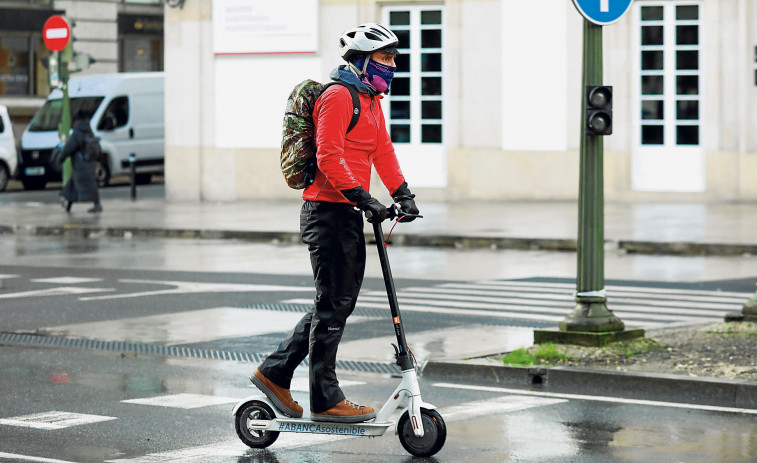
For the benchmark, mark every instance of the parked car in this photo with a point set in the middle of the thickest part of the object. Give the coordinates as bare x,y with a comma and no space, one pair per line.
126,111
8,156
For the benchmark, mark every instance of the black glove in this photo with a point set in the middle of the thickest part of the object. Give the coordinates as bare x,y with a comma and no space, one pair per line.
405,199
366,203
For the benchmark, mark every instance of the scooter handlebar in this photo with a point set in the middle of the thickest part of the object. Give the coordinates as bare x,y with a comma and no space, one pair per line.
393,212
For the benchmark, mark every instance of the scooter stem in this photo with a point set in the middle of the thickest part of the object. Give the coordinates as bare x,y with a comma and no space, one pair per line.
404,359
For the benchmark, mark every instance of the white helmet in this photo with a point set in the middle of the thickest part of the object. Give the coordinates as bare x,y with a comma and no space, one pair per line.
365,39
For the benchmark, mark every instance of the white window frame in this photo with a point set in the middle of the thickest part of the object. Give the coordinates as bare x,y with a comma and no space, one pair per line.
424,164
669,166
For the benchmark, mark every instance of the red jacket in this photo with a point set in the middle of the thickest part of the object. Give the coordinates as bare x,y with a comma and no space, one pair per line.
345,162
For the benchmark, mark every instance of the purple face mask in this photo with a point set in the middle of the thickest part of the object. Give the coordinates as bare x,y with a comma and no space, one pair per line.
379,76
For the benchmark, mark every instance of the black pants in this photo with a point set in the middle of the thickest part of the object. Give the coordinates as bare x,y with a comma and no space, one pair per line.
334,235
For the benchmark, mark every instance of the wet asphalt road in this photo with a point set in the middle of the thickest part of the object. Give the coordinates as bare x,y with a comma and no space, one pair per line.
150,407
493,426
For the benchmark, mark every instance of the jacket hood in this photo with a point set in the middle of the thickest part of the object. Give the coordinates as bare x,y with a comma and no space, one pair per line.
343,74
82,126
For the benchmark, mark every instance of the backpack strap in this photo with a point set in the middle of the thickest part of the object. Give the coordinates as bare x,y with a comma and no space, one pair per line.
355,101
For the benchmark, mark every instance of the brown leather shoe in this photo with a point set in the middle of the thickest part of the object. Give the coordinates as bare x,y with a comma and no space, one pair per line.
345,412
280,397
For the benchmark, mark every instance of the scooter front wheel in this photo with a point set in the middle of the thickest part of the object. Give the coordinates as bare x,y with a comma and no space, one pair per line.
434,433
255,438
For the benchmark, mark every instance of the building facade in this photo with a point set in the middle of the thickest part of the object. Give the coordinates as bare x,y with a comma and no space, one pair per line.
486,101
121,35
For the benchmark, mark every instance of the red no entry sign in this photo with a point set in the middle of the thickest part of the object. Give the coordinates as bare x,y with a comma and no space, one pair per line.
56,33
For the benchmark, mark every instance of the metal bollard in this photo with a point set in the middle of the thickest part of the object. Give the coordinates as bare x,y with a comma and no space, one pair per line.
133,175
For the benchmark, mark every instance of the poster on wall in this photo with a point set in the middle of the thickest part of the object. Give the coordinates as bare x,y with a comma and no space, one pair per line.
252,27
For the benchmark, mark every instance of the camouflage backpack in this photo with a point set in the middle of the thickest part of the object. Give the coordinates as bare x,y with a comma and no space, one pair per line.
298,148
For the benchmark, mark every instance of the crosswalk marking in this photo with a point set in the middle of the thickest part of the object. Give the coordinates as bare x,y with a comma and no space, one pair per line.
637,306
53,420
572,286
184,401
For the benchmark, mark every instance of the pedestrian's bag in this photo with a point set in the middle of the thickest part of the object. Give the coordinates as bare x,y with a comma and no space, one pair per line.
298,161
91,150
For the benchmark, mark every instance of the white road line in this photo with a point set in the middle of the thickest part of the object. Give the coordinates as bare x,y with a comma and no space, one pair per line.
440,310
17,457
189,455
492,284
190,287
2,277
66,280
53,420
651,403
185,401
62,291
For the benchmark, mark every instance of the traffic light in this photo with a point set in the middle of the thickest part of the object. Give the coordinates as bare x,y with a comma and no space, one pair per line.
81,62
598,110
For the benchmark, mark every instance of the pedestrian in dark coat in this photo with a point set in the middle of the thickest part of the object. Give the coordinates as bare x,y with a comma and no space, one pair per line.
82,186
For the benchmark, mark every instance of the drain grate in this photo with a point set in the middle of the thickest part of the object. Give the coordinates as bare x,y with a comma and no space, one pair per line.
174,351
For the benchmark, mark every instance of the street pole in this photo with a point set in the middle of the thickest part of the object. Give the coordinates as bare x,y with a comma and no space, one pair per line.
591,313
590,323
64,127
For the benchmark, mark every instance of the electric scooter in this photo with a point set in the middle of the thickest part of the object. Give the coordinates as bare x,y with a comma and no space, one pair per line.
420,428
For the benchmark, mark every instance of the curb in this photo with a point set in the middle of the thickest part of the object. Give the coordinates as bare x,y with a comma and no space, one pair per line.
420,240
627,385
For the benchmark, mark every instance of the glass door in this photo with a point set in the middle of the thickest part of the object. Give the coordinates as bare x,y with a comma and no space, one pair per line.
415,107
668,154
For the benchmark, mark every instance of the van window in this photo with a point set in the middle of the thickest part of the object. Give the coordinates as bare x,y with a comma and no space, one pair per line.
116,115
48,117
2,126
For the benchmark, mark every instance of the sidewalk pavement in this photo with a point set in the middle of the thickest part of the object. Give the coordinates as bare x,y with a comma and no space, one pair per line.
653,228
660,228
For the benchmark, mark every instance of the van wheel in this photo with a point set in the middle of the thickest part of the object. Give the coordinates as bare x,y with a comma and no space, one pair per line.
33,183
4,177
102,173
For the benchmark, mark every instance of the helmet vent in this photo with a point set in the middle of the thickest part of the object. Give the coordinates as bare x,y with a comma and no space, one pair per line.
372,36
380,32
351,34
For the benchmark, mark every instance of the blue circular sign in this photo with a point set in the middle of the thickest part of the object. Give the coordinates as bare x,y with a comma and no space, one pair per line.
602,12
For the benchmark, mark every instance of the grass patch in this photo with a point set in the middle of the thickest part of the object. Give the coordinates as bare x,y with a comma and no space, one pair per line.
536,355
554,354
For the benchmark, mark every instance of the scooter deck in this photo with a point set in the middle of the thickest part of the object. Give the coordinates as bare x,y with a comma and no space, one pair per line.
302,425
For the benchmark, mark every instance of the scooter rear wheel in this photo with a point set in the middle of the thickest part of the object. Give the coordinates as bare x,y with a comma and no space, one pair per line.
434,433
255,438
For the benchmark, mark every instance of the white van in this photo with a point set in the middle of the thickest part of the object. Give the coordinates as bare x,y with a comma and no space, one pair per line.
126,114
8,157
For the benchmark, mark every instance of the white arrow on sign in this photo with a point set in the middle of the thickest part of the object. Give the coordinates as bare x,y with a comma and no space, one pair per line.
604,6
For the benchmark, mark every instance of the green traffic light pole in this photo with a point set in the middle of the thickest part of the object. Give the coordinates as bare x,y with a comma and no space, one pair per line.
64,127
590,323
